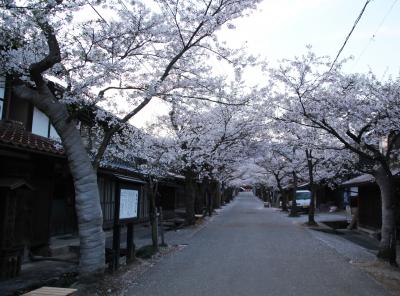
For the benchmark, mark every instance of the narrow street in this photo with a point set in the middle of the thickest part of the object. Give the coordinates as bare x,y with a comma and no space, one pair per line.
251,250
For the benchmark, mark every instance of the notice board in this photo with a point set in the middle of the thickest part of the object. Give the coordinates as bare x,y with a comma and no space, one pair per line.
128,206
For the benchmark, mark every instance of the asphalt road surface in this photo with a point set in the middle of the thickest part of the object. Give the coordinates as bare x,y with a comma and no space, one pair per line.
251,250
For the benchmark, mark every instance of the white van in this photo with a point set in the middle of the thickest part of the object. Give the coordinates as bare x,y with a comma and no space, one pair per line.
303,199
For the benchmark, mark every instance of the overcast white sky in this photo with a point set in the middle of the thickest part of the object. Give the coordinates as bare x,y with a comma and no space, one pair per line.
282,28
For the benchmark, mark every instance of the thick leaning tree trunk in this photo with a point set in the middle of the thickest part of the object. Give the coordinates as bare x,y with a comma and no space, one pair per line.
387,245
87,200
190,197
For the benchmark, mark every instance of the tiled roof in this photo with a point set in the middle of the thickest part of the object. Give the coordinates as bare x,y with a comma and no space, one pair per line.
14,134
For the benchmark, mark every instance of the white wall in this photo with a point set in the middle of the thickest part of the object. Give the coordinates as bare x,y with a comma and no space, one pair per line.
41,125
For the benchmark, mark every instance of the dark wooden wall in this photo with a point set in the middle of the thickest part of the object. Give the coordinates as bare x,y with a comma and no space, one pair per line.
369,204
166,197
38,171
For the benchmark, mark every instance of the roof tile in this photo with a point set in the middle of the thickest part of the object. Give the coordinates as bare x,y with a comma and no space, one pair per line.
14,134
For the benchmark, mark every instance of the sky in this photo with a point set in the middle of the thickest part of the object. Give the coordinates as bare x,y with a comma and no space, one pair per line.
282,29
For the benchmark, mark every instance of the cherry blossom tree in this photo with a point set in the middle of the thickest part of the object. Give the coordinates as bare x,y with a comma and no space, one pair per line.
127,53
358,111
323,157
206,140
275,165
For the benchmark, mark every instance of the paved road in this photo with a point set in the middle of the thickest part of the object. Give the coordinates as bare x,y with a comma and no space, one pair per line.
250,250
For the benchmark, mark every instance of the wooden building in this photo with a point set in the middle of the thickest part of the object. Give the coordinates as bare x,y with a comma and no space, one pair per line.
35,162
37,199
364,193
171,195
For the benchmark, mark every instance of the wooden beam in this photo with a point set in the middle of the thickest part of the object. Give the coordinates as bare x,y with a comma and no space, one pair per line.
51,291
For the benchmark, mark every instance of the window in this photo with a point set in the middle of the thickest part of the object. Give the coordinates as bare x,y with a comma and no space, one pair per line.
303,195
41,125
2,94
53,133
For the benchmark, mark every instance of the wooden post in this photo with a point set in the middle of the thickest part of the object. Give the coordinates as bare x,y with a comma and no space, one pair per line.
116,231
162,227
157,223
130,245
116,246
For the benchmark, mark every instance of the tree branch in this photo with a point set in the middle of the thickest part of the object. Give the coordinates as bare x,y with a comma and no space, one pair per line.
53,57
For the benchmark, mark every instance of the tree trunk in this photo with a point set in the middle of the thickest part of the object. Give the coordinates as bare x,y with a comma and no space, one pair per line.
387,245
208,199
283,195
311,209
223,194
190,197
199,199
210,208
213,193
216,194
87,205
284,201
229,194
293,209
153,213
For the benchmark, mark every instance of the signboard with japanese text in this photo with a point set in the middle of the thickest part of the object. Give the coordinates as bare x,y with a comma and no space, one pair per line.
128,206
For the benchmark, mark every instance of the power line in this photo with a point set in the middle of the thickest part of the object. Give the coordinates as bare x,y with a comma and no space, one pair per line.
375,33
348,36
98,13
126,8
